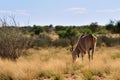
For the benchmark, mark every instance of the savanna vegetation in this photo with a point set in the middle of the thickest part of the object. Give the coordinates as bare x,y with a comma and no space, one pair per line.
44,52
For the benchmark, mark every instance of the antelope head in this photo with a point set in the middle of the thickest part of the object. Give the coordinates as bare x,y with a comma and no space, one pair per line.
74,56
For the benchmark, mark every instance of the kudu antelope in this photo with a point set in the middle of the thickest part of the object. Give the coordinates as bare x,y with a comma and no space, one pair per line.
85,43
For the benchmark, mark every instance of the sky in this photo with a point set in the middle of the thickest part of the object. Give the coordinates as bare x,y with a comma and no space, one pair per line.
60,12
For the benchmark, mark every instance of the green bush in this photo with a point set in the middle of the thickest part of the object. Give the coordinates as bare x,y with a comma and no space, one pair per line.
72,34
61,34
37,29
60,28
63,42
41,41
86,31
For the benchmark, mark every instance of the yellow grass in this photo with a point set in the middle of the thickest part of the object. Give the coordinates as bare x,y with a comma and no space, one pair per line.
56,63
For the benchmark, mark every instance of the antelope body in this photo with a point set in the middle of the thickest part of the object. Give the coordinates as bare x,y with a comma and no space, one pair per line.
86,43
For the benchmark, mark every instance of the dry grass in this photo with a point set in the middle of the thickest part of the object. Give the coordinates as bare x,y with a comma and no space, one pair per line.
56,64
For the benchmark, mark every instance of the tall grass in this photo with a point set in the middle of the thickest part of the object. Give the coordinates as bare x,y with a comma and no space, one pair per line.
56,64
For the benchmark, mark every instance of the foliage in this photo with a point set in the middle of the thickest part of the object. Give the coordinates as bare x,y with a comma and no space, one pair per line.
108,41
37,29
12,43
60,28
93,27
102,31
41,41
71,33
48,28
61,34
117,27
110,27
63,42
113,27
86,31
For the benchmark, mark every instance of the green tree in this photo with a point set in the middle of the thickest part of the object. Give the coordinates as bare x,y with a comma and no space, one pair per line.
85,31
117,27
94,27
71,34
60,28
110,27
61,34
37,29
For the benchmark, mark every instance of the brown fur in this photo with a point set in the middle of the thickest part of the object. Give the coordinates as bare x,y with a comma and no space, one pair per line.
85,43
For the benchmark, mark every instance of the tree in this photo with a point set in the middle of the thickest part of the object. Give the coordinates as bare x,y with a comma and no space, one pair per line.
48,28
37,29
85,31
60,28
117,27
93,27
110,27
71,34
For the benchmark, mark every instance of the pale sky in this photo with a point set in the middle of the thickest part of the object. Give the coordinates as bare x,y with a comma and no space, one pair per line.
61,12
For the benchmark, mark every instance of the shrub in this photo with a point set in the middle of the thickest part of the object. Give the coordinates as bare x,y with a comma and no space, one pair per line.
61,34
60,28
103,39
37,29
63,42
94,27
41,41
86,31
108,41
72,34
12,43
